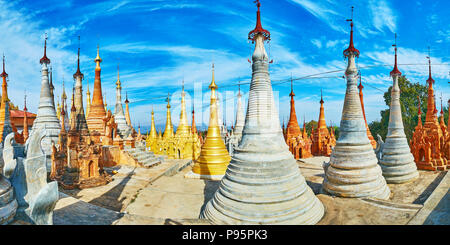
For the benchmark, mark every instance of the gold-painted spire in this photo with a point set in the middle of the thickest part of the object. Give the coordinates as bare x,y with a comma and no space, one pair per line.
118,77
183,129
98,60
88,99
214,158
322,123
168,131
153,133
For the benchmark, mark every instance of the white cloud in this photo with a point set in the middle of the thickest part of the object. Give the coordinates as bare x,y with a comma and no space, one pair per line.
316,43
382,15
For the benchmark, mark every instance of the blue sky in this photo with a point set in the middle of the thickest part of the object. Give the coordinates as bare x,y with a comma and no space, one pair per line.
159,43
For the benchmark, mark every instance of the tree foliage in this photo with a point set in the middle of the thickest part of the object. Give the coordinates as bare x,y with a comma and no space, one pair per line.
409,105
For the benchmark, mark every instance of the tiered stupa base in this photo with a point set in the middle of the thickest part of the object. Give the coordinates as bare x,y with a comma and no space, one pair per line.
69,181
263,185
435,164
353,171
8,203
397,162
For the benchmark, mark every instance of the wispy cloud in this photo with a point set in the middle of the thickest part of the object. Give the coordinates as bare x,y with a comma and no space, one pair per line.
382,15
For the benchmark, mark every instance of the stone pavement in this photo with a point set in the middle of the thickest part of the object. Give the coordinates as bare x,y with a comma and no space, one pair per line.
436,209
117,194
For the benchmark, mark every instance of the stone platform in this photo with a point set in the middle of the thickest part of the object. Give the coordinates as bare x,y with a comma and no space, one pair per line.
161,195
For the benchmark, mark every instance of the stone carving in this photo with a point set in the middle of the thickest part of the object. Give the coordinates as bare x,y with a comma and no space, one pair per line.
36,198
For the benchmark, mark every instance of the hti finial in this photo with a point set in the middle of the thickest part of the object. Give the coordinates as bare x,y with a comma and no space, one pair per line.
351,48
78,73
360,86
258,29
4,74
430,79
321,97
395,71
292,87
44,58
25,101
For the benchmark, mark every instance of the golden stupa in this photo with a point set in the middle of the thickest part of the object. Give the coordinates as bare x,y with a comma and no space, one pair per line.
214,158
153,136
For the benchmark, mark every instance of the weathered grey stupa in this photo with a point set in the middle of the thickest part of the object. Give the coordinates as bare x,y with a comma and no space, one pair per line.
353,170
80,119
240,116
396,161
263,184
119,116
46,115
232,140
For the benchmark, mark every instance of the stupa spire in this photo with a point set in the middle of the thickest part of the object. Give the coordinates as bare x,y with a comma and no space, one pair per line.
369,134
431,116
119,115
80,123
168,131
88,98
127,110
153,133
353,170
240,116
262,184
46,115
292,128
97,109
4,74
322,123
351,50
183,128
5,123
419,112
395,71
214,158
78,72
396,161
44,59
25,132
193,126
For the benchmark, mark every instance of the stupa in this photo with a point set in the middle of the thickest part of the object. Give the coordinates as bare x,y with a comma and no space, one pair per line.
427,143
88,99
353,170
369,134
8,203
46,115
122,127
396,161
214,158
235,136
64,118
80,118
5,122
322,140
263,184
184,139
153,135
97,110
299,146
127,110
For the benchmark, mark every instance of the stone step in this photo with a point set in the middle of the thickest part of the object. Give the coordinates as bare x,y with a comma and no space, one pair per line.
151,163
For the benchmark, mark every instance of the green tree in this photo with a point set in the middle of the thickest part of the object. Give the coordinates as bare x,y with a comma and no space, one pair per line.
409,105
